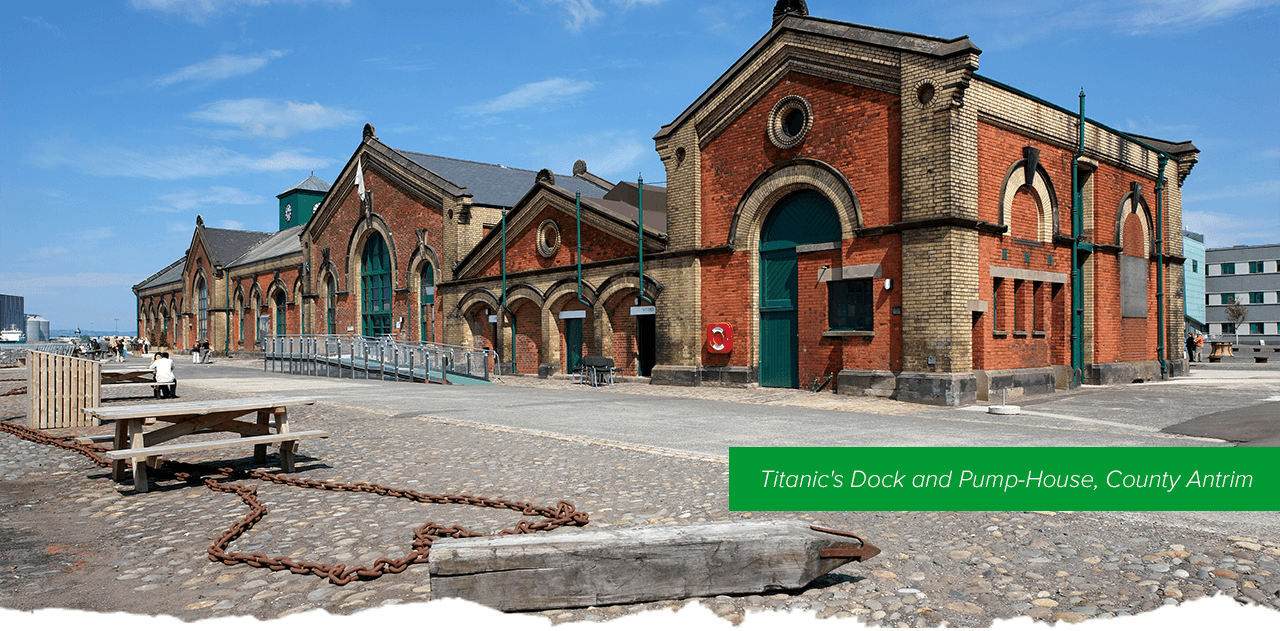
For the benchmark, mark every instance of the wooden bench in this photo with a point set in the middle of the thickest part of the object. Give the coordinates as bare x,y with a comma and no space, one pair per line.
198,417
288,447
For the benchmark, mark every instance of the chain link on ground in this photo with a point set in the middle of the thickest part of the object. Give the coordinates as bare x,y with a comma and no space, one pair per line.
563,514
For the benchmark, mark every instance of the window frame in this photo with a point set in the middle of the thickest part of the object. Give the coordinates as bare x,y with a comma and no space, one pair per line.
841,293
1226,269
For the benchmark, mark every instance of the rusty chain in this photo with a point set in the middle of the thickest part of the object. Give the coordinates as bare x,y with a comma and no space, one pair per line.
563,514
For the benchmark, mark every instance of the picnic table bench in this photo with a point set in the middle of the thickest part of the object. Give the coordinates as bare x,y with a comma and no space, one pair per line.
130,442
121,375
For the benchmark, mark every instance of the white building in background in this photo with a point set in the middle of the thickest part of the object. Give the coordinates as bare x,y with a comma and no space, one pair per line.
1247,275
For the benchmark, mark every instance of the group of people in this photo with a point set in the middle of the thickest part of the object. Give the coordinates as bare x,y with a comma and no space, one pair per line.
1194,344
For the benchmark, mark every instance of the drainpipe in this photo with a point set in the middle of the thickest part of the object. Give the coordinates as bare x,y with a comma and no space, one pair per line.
640,187
1077,262
226,299
577,202
1160,348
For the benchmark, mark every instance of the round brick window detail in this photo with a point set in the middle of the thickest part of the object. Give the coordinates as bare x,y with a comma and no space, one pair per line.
790,121
548,238
925,92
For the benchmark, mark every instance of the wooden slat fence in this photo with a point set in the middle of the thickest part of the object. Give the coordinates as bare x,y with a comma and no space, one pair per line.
59,388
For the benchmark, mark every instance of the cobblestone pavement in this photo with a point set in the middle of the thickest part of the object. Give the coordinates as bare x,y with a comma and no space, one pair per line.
71,538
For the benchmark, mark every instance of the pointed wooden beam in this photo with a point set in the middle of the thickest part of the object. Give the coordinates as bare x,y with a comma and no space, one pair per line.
573,567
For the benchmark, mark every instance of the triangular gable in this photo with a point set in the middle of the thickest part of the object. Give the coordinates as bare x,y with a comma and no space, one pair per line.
789,47
374,156
606,235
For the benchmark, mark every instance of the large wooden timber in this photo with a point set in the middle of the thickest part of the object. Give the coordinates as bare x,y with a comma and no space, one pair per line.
570,567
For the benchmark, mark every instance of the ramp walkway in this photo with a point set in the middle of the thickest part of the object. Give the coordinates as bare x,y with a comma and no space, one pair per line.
386,359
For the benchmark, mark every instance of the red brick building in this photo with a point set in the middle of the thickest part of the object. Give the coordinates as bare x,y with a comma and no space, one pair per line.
845,205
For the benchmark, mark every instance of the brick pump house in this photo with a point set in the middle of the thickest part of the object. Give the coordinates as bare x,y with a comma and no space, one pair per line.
845,207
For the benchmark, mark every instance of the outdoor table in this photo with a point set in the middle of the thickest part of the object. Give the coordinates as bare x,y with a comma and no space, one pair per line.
190,417
1220,350
120,375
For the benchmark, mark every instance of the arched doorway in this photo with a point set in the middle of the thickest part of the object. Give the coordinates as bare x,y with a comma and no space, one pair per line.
375,288
801,218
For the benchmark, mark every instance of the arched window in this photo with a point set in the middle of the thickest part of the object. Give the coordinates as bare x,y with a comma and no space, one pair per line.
280,328
427,292
202,305
240,321
330,306
375,288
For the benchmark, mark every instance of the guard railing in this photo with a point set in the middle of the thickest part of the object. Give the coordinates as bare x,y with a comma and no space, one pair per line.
383,358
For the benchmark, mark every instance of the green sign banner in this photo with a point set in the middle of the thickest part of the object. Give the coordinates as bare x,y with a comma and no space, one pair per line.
1004,478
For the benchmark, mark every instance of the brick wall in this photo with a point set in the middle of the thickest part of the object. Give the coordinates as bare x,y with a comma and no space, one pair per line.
401,214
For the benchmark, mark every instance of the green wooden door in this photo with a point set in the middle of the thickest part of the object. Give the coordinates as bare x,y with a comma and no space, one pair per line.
779,348
572,344
375,288
802,218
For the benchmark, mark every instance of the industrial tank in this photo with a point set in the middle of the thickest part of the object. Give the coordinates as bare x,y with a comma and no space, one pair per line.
37,329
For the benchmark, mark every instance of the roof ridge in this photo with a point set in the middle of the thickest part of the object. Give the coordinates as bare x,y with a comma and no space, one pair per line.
489,164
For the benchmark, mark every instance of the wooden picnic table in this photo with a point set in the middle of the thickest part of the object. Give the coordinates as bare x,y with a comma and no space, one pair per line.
192,417
123,375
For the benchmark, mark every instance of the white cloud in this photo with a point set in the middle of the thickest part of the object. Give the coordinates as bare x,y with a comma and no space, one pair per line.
231,224
220,67
274,119
184,201
199,11
27,283
166,163
613,155
530,94
1148,15
1250,190
1222,229
40,21
581,13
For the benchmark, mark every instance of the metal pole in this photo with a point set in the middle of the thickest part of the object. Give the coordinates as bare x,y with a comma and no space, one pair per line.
1160,346
640,187
1077,261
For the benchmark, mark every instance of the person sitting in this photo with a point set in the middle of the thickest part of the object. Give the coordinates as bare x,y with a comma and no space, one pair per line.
166,383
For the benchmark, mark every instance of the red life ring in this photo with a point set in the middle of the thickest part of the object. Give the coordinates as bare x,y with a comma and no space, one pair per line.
720,338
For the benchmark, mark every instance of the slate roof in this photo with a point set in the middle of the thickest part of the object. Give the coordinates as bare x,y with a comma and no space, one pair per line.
494,184
1169,147
281,243
225,246
312,183
170,274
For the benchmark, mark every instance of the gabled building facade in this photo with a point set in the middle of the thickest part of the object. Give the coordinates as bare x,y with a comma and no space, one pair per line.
846,206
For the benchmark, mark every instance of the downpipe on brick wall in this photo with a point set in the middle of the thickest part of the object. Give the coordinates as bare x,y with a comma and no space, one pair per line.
577,204
640,189
1077,265
1160,346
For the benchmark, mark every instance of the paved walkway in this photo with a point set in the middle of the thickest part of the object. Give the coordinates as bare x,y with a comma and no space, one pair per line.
628,455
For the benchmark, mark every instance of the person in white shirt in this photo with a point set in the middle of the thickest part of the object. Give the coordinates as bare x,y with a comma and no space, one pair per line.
166,382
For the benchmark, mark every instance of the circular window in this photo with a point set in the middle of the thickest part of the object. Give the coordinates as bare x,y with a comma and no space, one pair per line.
790,122
548,238
925,92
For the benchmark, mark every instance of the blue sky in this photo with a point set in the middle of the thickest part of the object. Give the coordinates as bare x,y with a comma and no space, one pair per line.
122,120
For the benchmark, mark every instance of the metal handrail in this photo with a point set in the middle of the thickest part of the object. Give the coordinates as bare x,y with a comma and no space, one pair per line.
374,358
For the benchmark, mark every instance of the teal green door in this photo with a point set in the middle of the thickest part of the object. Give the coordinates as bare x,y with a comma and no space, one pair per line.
572,344
802,218
779,341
